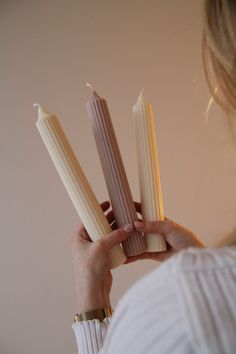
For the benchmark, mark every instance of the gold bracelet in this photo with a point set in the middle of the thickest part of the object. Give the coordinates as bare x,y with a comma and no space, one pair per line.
99,314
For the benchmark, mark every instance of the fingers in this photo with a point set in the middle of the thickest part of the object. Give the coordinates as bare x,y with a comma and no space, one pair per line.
82,233
159,227
138,207
114,225
116,236
109,241
110,217
105,205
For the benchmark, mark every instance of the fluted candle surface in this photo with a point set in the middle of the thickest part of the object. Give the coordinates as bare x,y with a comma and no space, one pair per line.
149,174
75,181
114,172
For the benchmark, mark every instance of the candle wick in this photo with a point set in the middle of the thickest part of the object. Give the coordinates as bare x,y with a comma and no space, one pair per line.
36,105
90,86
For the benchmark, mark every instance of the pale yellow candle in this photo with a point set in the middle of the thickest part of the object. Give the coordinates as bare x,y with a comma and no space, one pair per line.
75,181
149,175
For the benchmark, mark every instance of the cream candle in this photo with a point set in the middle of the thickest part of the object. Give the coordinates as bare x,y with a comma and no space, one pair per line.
114,172
75,181
149,175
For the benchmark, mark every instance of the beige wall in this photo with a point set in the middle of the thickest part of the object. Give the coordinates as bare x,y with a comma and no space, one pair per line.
49,50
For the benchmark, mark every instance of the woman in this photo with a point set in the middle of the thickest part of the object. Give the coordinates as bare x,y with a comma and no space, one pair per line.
188,304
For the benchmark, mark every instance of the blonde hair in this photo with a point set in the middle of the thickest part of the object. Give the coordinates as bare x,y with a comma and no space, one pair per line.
219,62
219,51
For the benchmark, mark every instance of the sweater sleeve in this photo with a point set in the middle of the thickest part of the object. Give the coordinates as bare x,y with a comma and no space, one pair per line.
90,335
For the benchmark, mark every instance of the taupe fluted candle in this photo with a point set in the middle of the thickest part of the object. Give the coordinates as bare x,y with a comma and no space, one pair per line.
75,181
114,172
149,174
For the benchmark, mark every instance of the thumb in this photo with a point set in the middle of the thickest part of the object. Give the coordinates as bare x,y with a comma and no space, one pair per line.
117,236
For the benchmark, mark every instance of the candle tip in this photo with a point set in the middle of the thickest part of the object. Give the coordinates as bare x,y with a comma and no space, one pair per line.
94,93
141,94
42,113
140,100
36,105
90,86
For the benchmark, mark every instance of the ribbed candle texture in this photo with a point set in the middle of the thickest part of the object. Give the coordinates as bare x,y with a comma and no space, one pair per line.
114,172
75,181
148,166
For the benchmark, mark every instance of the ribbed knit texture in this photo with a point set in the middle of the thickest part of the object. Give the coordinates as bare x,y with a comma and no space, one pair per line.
185,306
114,172
90,335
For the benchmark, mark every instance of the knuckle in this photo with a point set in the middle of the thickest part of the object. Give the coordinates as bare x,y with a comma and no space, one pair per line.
118,233
150,225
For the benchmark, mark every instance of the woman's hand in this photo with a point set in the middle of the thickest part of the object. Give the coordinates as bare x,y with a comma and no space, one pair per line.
92,262
176,236
92,266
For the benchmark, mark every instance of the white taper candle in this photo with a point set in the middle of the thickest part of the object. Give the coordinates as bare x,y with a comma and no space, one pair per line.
75,181
149,175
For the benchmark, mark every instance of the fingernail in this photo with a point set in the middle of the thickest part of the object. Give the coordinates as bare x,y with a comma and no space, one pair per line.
128,228
139,224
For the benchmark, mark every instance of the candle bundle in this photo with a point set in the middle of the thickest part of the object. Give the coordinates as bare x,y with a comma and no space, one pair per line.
114,172
75,181
149,176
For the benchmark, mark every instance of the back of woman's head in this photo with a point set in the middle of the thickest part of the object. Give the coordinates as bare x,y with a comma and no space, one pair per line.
219,51
219,60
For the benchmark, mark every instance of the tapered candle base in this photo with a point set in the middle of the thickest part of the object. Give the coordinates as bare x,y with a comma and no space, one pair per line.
155,243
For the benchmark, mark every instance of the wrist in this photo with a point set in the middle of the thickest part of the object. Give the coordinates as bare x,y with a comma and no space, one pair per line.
91,297
99,314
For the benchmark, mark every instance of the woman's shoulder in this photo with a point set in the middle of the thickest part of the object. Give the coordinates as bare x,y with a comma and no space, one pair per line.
203,259
191,296
188,264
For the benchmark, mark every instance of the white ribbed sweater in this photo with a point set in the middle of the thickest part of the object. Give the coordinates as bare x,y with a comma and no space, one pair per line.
187,305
